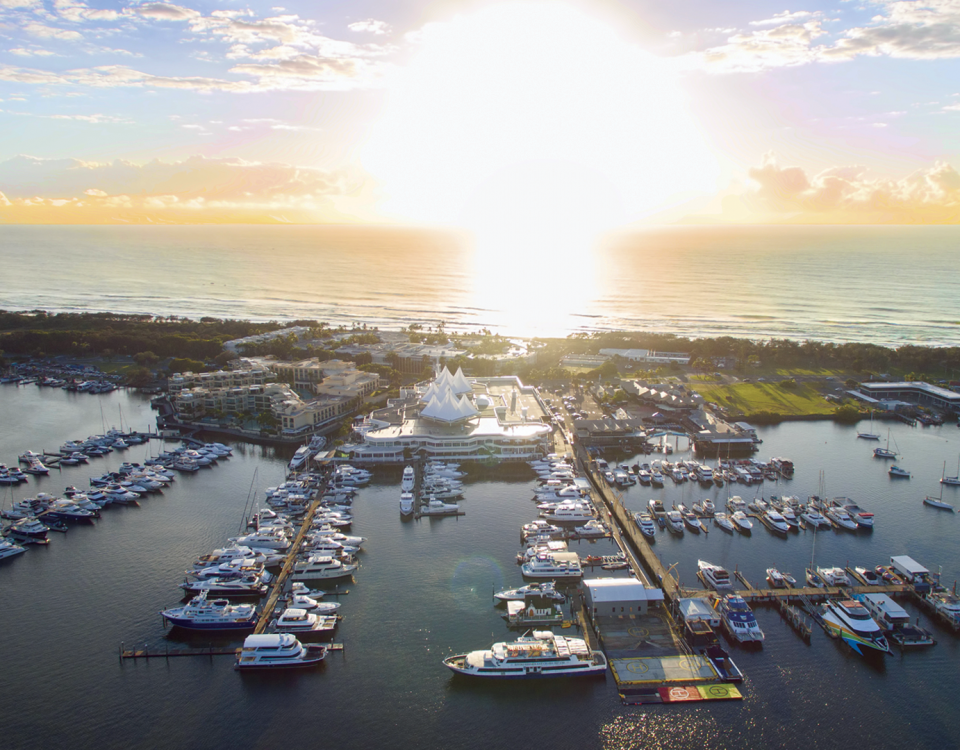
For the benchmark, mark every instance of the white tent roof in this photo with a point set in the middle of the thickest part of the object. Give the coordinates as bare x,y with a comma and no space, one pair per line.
429,394
460,383
443,409
466,408
444,378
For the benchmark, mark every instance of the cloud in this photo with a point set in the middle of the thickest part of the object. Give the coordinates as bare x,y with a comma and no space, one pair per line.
48,32
195,189
370,26
78,11
851,195
21,4
4,201
786,16
166,12
37,52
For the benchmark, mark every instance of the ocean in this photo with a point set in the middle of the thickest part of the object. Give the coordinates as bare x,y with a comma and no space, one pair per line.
888,285
424,591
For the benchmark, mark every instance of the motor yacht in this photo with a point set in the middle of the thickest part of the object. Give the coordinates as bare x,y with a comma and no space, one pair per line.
897,472
840,517
538,655
814,579
813,517
436,507
28,530
10,549
278,651
592,529
714,576
545,590
722,520
322,568
834,576
674,521
218,614
743,524
776,579
738,619
251,586
569,513
849,619
863,518
646,524
869,577
304,624
775,522
408,480
554,566
406,503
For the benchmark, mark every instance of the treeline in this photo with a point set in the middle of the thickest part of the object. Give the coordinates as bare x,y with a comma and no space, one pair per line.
39,333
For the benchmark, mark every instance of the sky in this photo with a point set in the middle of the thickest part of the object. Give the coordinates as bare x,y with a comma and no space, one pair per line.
501,116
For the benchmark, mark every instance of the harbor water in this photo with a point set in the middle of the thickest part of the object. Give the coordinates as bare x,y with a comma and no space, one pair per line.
423,592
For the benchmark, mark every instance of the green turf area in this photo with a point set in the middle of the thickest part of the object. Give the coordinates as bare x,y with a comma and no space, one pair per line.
750,398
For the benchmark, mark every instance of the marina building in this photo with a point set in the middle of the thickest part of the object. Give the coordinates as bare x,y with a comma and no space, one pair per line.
452,418
618,596
916,392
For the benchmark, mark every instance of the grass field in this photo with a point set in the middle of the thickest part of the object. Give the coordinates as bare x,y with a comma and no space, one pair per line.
751,398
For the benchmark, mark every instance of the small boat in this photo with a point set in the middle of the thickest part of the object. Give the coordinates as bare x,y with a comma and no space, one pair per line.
834,576
743,524
592,529
869,435
897,472
885,452
813,579
675,522
869,577
435,507
775,579
303,623
936,502
850,620
278,651
714,576
536,655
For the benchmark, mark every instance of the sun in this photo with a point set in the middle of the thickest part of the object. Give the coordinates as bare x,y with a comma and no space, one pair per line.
530,114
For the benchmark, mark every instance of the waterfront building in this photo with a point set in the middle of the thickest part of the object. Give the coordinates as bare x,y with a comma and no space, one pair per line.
916,392
618,596
452,418
333,377
245,375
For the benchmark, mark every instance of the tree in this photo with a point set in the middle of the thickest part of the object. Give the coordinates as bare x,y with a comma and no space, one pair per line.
223,358
146,359
138,377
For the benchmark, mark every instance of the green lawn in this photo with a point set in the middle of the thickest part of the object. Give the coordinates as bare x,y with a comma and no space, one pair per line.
750,398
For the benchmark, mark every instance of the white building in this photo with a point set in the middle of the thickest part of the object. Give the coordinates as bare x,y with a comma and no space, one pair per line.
607,597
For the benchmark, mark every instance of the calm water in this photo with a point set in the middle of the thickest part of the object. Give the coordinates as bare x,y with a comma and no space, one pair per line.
424,591
885,285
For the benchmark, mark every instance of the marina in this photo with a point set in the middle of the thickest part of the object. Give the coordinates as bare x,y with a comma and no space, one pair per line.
478,550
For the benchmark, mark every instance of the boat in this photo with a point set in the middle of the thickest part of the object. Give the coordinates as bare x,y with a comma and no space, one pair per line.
300,458
310,603
555,566
775,522
657,511
569,513
813,579
738,619
674,522
885,452
409,479
714,576
435,507
834,576
897,472
814,517
841,518
539,654
278,651
545,590
952,481
303,623
869,435
646,524
218,614
250,586
722,520
691,520
937,502
592,529
863,518
28,530
321,568
10,549
849,619
776,579
869,577
406,503
743,524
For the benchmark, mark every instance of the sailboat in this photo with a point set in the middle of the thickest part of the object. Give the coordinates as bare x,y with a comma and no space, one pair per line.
813,578
885,452
937,502
869,435
953,481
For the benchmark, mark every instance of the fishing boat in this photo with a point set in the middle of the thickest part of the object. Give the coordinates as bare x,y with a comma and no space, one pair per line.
278,651
536,655
850,620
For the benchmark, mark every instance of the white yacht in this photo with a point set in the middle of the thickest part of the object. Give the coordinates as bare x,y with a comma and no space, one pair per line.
714,576
278,651
300,622
300,458
834,576
218,614
545,590
738,619
406,503
850,620
840,517
436,507
240,587
723,521
409,479
674,521
814,517
540,654
9,549
743,524
310,604
592,529
569,513
321,567
863,518
554,566
776,522
646,524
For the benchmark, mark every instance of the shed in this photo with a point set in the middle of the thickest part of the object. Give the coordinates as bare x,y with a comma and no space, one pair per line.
618,596
698,609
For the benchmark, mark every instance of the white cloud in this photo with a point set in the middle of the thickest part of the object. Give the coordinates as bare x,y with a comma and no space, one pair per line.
36,52
785,17
370,26
95,193
21,4
48,32
78,11
166,12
